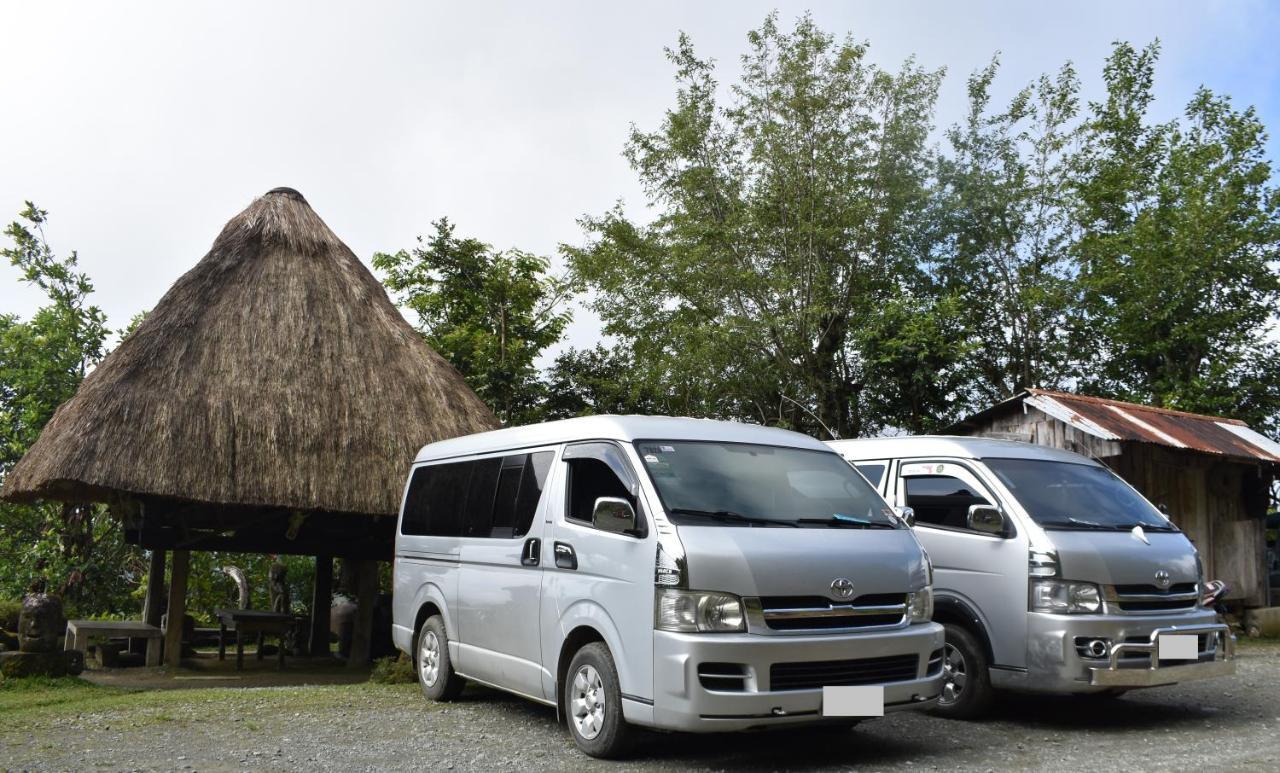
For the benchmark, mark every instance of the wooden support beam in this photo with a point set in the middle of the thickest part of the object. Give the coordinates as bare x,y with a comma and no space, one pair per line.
366,597
153,604
321,601
177,607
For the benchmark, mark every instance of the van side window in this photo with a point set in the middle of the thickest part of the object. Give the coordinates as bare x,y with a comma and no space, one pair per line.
484,483
590,479
520,486
941,500
872,472
437,495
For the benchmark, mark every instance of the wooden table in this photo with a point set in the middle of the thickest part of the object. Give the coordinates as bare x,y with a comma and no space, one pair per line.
79,631
251,622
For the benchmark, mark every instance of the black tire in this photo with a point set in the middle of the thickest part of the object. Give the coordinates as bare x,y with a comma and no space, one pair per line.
431,661
967,692
592,702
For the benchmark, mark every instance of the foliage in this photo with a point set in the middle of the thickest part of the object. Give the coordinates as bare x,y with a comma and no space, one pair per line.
396,669
583,382
76,550
1004,233
489,313
1178,252
784,221
209,588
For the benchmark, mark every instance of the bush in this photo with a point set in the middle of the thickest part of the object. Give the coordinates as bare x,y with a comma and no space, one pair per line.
393,670
9,612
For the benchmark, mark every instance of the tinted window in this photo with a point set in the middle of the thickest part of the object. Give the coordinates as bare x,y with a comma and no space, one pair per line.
872,472
590,479
484,482
437,494
942,500
504,504
532,482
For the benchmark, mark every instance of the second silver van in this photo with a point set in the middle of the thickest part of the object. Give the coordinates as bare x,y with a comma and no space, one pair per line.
681,574
1053,574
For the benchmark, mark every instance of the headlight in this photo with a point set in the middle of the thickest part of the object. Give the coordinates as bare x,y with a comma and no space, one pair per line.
693,611
1065,598
920,605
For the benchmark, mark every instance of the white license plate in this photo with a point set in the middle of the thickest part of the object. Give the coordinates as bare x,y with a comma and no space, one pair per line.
1179,647
853,701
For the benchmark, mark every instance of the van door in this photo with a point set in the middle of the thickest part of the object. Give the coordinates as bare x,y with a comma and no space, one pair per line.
500,580
597,578
986,572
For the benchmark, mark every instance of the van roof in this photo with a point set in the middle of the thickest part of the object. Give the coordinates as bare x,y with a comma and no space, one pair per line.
949,445
610,427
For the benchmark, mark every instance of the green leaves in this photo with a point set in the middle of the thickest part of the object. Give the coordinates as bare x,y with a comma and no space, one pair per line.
489,313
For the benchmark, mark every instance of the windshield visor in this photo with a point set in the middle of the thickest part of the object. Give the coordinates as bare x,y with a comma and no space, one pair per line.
1062,495
741,484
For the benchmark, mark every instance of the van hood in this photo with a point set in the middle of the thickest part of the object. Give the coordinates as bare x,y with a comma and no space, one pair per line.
1120,558
801,562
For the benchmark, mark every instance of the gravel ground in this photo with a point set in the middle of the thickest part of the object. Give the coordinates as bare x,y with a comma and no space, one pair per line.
1228,723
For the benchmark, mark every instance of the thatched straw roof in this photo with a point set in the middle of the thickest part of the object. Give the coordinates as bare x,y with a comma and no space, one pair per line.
275,373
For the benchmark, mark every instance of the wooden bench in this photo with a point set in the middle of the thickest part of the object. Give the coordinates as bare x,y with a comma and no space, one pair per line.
80,631
254,622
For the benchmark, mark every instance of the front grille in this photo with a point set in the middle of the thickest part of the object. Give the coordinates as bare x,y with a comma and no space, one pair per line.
1149,598
805,613
816,674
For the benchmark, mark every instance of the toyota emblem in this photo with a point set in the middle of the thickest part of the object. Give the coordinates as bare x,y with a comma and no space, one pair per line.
1163,580
842,587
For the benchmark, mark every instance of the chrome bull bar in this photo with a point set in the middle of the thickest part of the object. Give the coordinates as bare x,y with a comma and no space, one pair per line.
1223,663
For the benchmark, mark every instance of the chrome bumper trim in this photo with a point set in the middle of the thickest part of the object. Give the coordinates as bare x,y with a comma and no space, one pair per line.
1155,674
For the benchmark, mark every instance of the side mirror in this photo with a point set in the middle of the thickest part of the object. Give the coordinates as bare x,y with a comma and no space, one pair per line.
614,514
985,519
907,514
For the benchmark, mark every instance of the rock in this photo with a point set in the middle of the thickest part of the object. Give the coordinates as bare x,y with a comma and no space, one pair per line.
14,665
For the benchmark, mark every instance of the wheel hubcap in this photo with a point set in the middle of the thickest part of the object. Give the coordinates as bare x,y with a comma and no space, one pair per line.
429,659
586,702
955,673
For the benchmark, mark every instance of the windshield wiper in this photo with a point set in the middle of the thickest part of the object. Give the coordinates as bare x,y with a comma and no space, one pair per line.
846,522
1077,523
730,517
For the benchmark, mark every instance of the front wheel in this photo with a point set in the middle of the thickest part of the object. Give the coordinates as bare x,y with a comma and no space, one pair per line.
593,703
436,676
966,687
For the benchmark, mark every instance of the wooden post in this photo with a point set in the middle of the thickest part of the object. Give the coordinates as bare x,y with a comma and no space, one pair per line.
321,601
177,607
153,604
362,631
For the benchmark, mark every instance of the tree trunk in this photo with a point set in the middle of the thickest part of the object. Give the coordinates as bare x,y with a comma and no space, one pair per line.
321,602
177,607
153,604
366,597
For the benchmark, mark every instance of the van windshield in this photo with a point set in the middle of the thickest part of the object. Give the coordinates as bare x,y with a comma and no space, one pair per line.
1063,495
742,484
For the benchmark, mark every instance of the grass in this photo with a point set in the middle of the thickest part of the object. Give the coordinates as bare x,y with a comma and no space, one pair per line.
25,702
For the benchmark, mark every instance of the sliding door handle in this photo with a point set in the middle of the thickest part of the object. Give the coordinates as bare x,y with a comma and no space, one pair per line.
532,553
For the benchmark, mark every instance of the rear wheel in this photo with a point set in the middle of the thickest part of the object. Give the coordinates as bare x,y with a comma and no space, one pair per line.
966,687
436,676
593,703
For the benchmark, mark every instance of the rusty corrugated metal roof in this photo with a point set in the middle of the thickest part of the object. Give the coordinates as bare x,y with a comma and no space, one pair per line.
1116,420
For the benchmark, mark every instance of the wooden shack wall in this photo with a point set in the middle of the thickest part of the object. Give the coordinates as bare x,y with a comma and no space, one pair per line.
1203,493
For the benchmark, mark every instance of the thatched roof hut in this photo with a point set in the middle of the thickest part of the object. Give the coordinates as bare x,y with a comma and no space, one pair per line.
272,394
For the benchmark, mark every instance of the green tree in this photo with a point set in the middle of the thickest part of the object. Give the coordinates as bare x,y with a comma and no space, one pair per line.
584,382
76,549
489,313
785,220
1178,253
1005,233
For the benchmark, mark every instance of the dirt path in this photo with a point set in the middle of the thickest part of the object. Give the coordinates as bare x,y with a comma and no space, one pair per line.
1230,723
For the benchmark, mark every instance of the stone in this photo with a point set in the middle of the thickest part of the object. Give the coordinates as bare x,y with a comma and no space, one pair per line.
14,665
41,623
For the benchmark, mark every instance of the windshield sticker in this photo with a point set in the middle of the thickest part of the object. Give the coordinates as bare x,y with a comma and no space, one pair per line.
668,449
651,459
922,469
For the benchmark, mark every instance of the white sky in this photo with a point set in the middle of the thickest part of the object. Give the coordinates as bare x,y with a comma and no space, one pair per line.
143,127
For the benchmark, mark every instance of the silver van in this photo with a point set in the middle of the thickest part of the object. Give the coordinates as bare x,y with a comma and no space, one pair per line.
1053,574
681,574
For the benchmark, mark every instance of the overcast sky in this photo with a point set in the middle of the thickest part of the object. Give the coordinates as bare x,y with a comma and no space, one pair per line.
143,127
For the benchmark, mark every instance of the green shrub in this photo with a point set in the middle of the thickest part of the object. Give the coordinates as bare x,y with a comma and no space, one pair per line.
393,670
9,612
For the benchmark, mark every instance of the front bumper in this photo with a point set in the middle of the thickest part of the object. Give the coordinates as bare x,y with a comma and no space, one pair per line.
682,702
1055,664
